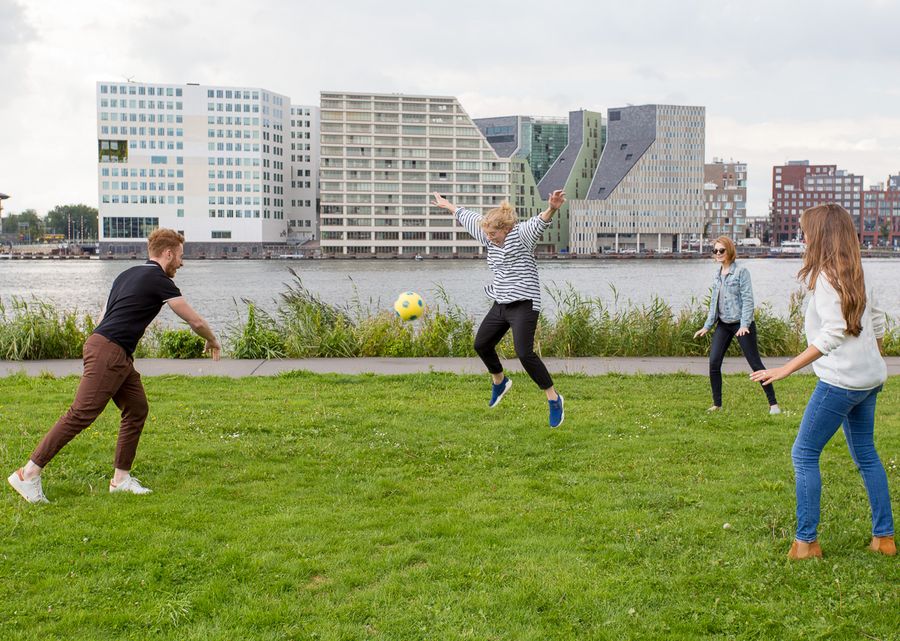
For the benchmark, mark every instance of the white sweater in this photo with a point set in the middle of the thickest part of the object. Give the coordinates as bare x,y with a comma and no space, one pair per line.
850,362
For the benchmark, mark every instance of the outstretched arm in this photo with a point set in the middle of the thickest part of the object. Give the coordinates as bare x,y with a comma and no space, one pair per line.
181,307
443,203
801,360
532,229
468,219
557,199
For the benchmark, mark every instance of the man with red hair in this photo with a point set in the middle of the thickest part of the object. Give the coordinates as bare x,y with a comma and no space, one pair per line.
136,297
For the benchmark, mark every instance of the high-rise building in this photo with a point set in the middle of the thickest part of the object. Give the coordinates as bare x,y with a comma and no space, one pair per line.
208,161
647,191
301,198
572,172
799,185
880,218
539,140
725,196
382,155
534,147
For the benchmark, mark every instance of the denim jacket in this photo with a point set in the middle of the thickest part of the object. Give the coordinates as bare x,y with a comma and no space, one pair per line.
737,296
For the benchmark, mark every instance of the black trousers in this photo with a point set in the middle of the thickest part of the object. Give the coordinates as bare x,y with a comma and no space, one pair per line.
720,341
523,320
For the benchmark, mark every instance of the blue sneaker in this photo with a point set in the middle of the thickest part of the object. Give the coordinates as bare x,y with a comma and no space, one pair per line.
498,390
557,415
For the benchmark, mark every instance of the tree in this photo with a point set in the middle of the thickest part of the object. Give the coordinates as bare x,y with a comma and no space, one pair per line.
884,232
73,221
26,226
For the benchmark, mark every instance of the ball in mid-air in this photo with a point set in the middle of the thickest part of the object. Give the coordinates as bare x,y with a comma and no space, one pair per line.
409,306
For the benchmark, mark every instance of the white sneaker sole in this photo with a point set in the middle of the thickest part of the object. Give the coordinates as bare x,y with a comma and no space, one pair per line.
115,490
14,482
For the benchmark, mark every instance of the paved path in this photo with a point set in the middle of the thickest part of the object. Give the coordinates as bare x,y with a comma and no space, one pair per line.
241,368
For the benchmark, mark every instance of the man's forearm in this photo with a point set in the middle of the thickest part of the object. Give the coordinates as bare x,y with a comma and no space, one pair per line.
202,328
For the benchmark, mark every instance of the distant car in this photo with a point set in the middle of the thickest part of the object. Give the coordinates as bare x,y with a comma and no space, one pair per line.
749,242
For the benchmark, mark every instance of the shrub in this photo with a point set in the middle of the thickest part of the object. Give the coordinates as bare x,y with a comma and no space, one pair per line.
180,343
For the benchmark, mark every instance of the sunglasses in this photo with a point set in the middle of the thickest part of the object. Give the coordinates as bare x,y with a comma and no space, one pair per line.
718,251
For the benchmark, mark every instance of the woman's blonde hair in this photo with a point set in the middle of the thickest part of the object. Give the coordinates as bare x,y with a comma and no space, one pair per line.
730,249
502,217
832,249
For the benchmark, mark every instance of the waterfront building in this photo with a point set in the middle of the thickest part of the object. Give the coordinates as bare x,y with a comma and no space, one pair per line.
798,185
647,190
547,154
382,156
725,199
880,218
302,185
209,161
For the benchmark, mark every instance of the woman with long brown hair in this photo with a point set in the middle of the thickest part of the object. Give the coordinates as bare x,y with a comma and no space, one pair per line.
844,330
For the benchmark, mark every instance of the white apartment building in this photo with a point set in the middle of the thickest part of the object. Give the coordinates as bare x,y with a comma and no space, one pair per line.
647,191
211,162
382,155
301,193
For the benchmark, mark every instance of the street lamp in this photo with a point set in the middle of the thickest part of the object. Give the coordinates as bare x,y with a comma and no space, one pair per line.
2,198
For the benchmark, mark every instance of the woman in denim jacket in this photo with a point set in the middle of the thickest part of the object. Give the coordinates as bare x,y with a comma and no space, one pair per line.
731,304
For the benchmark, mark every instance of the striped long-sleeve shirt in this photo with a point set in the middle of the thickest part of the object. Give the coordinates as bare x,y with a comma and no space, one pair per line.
513,264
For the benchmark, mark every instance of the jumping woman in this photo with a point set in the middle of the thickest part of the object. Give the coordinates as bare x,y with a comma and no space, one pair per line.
515,290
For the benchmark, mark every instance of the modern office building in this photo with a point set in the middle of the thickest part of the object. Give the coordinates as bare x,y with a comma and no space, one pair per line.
302,188
880,218
382,156
798,185
547,154
647,190
211,162
539,140
572,172
725,199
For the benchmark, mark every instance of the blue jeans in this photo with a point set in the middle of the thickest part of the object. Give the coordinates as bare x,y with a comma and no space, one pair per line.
830,407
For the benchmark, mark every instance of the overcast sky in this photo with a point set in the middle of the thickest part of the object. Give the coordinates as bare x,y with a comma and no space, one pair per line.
817,80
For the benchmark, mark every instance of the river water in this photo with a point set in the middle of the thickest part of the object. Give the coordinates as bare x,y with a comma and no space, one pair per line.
215,288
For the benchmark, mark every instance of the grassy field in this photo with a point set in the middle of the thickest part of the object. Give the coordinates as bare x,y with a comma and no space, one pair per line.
338,507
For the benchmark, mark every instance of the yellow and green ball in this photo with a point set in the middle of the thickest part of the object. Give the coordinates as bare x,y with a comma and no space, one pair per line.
409,306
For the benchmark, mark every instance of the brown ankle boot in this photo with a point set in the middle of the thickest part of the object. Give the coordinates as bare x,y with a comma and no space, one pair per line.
803,550
883,545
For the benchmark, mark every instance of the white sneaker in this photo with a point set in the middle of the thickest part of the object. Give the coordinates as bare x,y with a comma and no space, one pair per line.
714,408
131,485
774,409
31,490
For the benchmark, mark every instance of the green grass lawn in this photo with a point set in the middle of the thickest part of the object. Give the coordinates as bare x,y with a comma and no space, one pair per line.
370,507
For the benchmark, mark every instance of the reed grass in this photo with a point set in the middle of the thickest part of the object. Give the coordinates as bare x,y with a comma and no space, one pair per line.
305,326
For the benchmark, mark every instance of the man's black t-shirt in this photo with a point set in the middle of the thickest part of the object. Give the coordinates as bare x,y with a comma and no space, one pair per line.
135,299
